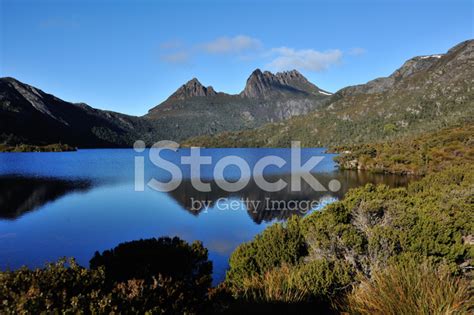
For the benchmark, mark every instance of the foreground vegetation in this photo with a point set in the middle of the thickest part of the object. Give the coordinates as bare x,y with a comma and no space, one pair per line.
57,147
169,277
410,287
346,247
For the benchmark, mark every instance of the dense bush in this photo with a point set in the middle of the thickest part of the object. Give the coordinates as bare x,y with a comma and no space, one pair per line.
55,288
372,224
117,283
145,259
281,243
371,227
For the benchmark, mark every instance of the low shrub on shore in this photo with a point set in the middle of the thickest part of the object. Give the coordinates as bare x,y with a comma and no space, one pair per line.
115,283
56,147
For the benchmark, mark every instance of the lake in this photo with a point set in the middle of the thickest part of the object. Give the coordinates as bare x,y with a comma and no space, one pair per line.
72,204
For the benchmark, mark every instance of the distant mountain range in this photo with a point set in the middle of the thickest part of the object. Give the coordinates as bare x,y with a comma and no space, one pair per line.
426,93
29,115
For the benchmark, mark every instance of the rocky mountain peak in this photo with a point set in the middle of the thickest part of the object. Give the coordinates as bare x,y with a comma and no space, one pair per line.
193,88
259,84
291,75
266,84
415,65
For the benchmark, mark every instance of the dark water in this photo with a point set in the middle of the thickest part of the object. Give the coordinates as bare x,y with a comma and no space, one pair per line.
75,203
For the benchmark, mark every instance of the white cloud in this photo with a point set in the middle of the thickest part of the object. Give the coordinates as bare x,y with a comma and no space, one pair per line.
357,51
248,48
236,44
304,59
179,57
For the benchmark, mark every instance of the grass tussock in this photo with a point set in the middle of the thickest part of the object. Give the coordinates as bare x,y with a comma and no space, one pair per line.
411,288
276,285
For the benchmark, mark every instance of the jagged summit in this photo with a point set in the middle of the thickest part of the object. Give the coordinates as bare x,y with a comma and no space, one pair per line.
266,84
267,97
260,85
191,89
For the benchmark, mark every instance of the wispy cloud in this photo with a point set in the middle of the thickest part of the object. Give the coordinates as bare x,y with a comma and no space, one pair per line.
357,51
178,57
228,45
247,48
177,52
285,58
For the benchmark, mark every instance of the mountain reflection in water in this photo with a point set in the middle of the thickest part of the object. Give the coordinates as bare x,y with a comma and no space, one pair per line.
19,195
259,200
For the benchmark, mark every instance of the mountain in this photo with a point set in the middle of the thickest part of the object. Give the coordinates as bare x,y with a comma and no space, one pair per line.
29,115
195,109
426,93
267,85
193,88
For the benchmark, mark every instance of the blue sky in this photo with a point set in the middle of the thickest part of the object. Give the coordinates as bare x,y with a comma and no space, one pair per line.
128,56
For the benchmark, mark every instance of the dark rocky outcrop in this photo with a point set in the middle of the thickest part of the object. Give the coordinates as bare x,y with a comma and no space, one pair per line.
268,85
191,89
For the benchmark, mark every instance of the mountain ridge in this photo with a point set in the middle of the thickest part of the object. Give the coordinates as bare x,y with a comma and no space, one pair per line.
29,115
261,85
425,94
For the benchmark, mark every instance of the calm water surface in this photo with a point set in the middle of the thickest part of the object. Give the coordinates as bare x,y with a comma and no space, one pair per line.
75,203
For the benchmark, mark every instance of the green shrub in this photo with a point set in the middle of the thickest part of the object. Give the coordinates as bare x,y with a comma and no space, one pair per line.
389,128
145,259
373,223
168,258
323,278
58,287
277,245
130,279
